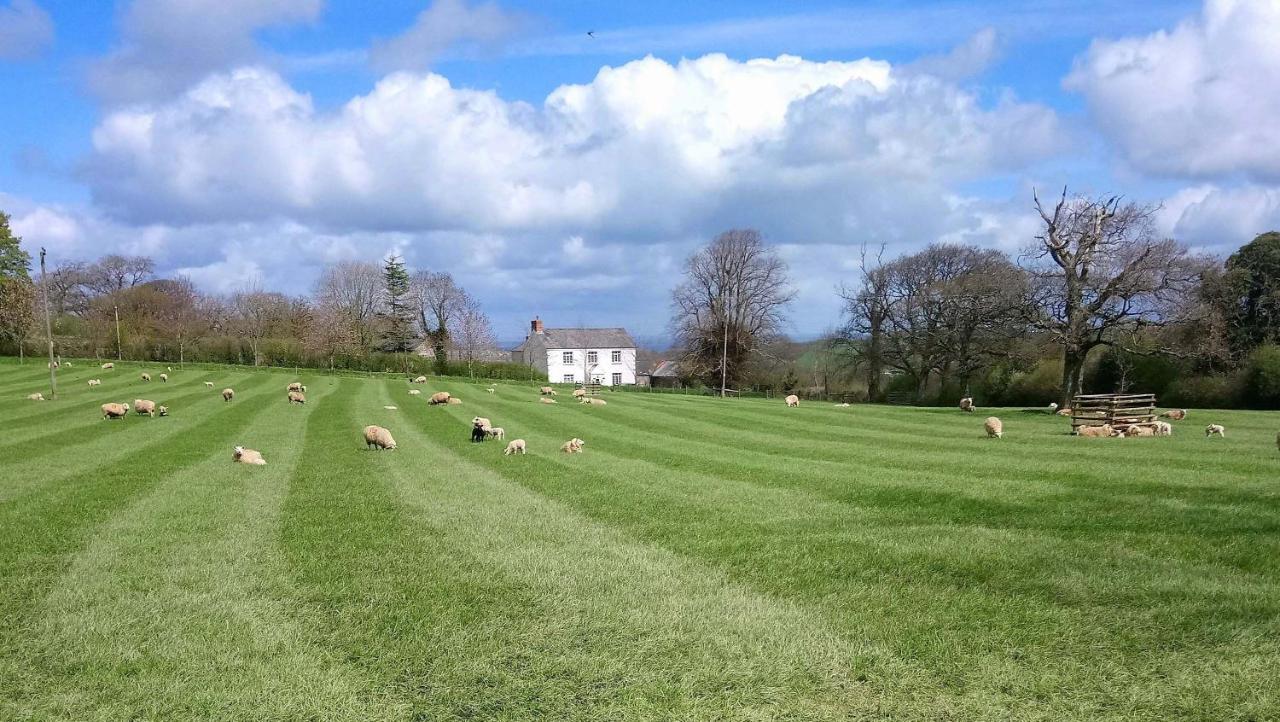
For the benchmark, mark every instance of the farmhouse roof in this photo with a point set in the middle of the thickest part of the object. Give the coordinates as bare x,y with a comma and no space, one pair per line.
556,338
665,368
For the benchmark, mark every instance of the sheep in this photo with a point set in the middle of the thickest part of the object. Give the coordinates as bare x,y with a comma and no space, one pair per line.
108,366
572,446
517,447
95,382
164,378
419,380
491,389
390,408
995,427
169,369
482,421
297,397
453,401
1097,432
1137,430
843,405
496,432
228,394
247,456
295,386
547,401
1053,406
1215,430
208,384
67,364
1175,414
579,393
547,391
162,410
439,397
414,392
966,404
114,411
146,376
1064,411
144,406
792,400
37,396
53,364
597,402
478,432
1164,428
378,438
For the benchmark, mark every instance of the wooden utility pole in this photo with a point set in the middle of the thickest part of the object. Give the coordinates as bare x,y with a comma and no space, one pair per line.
48,329
119,348
724,351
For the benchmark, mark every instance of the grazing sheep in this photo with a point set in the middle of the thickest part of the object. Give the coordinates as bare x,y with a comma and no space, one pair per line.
479,433
482,421
439,397
792,400
966,404
53,364
164,378
114,411
95,382
995,427
547,401
297,397
1097,432
162,410
1215,430
37,396
414,392
1164,428
208,384
247,456
146,376
378,438
547,391
491,389
1175,414
228,394
453,401
572,446
296,386
496,432
1053,406
515,447
579,393
108,366
144,406
419,380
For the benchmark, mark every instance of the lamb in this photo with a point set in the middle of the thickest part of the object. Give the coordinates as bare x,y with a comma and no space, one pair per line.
297,397
144,406
108,366
792,400
547,391
496,432
454,401
966,404
995,427
1215,430
208,384
248,456
114,411
491,389
547,401
1175,414
419,380
482,421
414,392
228,394
478,432
1164,428
37,396
1097,432
164,378
162,410
146,376
169,369
439,397
579,393
95,382
572,446
296,386
378,438
517,447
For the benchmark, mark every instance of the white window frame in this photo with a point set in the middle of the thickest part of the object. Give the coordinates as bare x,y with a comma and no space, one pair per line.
593,357
617,379
568,378
616,357
566,357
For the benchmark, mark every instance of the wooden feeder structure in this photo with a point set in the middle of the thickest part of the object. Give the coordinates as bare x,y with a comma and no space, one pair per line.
1119,410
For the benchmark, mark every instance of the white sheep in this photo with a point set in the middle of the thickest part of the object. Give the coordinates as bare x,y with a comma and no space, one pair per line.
146,376
1215,430
114,411
297,397
37,396
453,401
1164,428
579,393
439,397
596,402
164,378
419,380
843,405
1136,430
144,406
228,394
95,382
1175,414
491,389
414,392
482,421
162,411
573,446
547,391
1097,432
390,408
966,404
378,438
208,384
792,400
515,447
995,427
296,386
1053,406
547,401
496,432
247,456
108,366
1064,411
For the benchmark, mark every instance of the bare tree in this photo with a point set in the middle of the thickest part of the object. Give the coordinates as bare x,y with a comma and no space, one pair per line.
474,334
351,293
329,332
732,299
114,273
1099,269
866,312
254,314
69,288
440,303
183,315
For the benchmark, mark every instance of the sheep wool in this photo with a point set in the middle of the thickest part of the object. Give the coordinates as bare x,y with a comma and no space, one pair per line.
242,455
228,394
453,401
295,386
108,366
420,380
378,438
547,401
439,397
1097,432
995,427
966,404
517,447
547,391
1215,430
792,400
297,397
164,378
496,432
208,384
573,446
37,396
162,410
114,411
144,406
146,377
579,393
597,402
1175,414
482,422
414,392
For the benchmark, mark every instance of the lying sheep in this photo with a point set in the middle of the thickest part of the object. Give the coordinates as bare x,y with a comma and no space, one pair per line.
482,421
496,432
144,406
108,366
247,456
1215,430
419,380
208,384
1163,428
162,410
792,400
1066,411
297,397
390,408
596,402
1137,430
843,405
966,404
67,364
453,401
1175,414
995,427
414,392
228,394
579,393
114,411
573,446
378,438
95,382
164,378
515,447
439,397
547,391
547,401
146,376
1096,432
37,396
296,386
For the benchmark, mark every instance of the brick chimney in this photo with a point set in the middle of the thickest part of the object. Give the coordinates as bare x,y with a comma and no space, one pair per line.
536,325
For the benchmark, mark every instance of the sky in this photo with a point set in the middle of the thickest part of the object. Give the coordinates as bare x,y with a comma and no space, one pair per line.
563,158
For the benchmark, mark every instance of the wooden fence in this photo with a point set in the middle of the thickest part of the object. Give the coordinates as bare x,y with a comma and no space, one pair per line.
1119,410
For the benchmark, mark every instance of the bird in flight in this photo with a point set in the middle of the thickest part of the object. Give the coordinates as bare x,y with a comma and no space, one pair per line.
591,33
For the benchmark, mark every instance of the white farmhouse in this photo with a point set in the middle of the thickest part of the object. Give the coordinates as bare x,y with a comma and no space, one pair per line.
605,356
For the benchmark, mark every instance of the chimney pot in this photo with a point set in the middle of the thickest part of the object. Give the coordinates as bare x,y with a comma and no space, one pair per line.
536,325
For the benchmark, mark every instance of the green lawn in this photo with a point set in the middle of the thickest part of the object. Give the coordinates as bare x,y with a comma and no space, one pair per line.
701,560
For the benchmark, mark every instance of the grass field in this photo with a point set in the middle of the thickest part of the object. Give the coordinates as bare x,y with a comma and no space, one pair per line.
702,560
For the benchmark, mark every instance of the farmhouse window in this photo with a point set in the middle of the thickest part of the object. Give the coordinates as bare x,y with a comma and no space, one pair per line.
568,378
617,378
617,358
567,357
593,357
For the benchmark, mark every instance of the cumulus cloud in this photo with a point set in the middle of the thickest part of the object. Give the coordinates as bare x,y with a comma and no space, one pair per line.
167,45
1200,100
1220,219
442,25
25,30
969,59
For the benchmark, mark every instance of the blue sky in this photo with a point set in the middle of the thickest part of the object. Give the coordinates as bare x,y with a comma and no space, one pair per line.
568,176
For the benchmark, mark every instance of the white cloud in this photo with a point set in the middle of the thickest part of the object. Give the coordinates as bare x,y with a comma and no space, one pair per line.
25,30
441,26
169,44
1200,100
968,59
1220,220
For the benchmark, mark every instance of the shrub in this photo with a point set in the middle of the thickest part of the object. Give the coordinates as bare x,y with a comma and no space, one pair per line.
1262,378
1204,392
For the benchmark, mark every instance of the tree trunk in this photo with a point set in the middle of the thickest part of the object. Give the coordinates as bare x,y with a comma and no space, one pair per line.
1072,372
922,384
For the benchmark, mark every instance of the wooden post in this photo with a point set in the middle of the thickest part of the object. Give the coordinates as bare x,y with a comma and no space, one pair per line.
48,329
